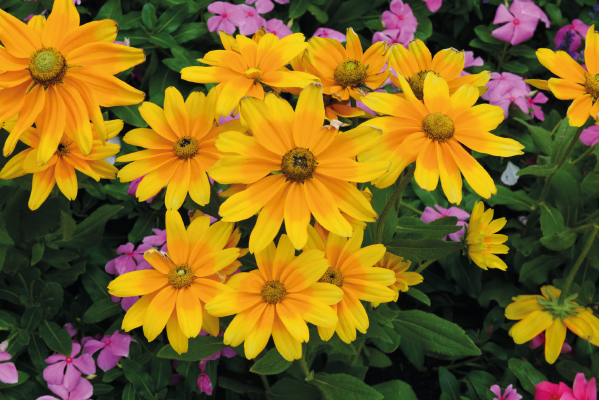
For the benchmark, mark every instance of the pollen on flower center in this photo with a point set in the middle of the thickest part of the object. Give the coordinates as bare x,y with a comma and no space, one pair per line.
592,85
298,164
333,276
273,292
181,276
438,126
63,149
329,100
253,73
186,147
350,73
47,66
417,83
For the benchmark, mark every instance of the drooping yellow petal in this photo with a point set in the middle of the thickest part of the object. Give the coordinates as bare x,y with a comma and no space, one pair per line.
533,324
554,340
189,313
159,311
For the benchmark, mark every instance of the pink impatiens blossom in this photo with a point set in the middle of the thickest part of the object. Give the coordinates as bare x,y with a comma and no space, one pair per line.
158,239
430,214
8,371
227,17
132,189
251,22
590,136
534,110
582,390
126,262
204,383
505,89
264,6
82,391
113,348
433,5
391,36
569,38
522,19
551,391
470,61
400,17
126,302
55,374
69,327
277,28
330,33
508,394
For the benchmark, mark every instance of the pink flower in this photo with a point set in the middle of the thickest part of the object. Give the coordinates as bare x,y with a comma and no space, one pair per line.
569,37
69,327
132,189
278,28
227,17
8,371
590,136
251,22
401,36
113,348
551,391
470,61
55,374
534,110
505,99
400,17
157,239
583,390
509,394
264,6
330,33
82,391
505,89
125,263
430,215
204,383
127,302
433,5
522,19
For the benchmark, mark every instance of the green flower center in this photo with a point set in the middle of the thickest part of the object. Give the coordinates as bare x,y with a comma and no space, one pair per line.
438,126
350,73
560,311
47,66
333,276
298,164
273,292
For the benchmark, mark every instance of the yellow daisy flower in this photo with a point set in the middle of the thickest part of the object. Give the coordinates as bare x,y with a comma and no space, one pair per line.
278,299
544,313
432,133
58,74
180,148
60,169
415,64
575,83
403,278
482,240
316,167
176,290
9,124
352,270
244,65
343,71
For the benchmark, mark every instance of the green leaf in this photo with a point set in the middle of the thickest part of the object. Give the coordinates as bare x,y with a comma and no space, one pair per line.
434,333
148,15
190,31
237,387
414,228
563,136
569,369
172,18
536,271
22,379
425,28
523,50
272,363
38,352
590,183
484,33
495,349
297,8
130,20
344,387
37,253
378,359
449,384
517,201
199,347
424,249
541,137
143,227
418,295
162,372
141,380
292,389
164,40
96,283
31,318
4,237
554,14
515,67
130,114
56,338
528,375
481,382
552,221
395,390
110,10
537,170
320,15
101,310
67,225
89,232
560,241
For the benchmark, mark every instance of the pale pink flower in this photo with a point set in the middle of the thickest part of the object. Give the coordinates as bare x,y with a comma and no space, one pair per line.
252,21
330,33
391,36
264,6
82,391
400,17
126,262
582,390
590,136
551,391
433,5
8,371
509,394
522,19
112,347
430,214
227,17
55,373
277,28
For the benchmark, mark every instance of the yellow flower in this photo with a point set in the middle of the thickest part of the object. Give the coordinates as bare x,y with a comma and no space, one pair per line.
343,71
482,240
403,278
415,64
9,124
575,83
244,65
278,299
432,134
60,169
316,167
352,270
181,283
58,74
543,313
180,148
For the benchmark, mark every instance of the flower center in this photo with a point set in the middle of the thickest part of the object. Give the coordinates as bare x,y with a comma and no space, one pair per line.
273,292
181,276
69,360
516,22
329,100
299,164
47,66
438,126
350,73
63,149
400,17
333,276
251,14
224,16
186,147
417,83
592,85
253,73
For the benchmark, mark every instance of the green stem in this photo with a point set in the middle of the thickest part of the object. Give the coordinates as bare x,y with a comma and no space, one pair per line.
354,121
555,128
574,270
411,208
304,365
358,351
584,155
502,56
423,266
589,218
265,382
403,183
453,366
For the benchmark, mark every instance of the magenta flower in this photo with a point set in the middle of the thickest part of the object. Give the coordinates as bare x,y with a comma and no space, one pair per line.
504,100
430,214
126,262
157,239
551,391
583,390
522,19
204,383
509,394
55,374
132,189
590,136
278,28
126,302
433,5
505,89
400,17
227,17
251,22
539,340
391,36
82,391
534,110
470,61
264,6
569,38
8,371
330,33
69,327
113,348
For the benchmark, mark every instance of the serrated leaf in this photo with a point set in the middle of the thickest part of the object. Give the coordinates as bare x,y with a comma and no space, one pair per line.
424,249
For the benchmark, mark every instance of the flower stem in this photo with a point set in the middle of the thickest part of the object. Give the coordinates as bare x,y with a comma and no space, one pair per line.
265,382
502,56
358,351
411,208
403,183
354,121
304,365
423,266
584,155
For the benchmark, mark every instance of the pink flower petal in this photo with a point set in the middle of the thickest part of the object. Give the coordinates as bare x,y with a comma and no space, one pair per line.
502,15
83,391
54,374
85,364
72,375
92,346
590,136
430,215
8,373
107,360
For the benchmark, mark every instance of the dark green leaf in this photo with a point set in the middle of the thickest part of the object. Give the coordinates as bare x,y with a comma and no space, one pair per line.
484,33
90,230
297,8
395,390
552,221
292,389
199,347
148,15
56,338
569,369
130,114
68,225
563,137
536,271
449,384
162,372
528,375
110,10
96,283
31,318
537,170
141,380
517,201
541,137
424,249
190,31
272,363
38,352
172,18
414,228
344,387
418,295
237,387
413,352
560,241
320,15
515,67
101,310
